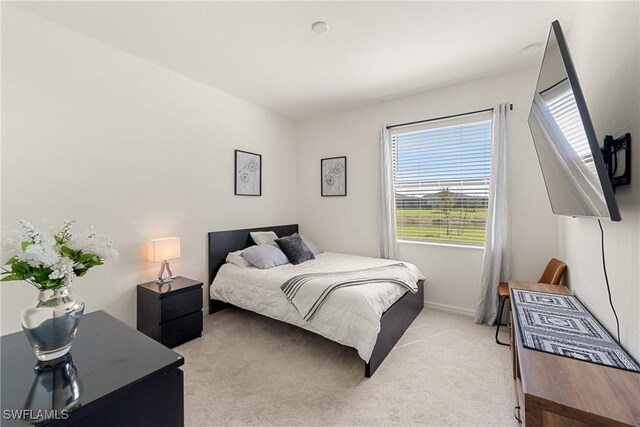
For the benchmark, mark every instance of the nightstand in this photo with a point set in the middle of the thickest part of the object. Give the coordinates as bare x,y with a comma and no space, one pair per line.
172,313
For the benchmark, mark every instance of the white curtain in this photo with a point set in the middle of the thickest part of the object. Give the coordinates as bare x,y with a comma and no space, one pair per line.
496,262
387,237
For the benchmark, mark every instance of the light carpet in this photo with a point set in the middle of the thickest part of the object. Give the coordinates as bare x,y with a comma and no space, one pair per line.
251,370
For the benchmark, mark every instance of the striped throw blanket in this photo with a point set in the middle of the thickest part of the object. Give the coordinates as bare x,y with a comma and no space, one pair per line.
307,292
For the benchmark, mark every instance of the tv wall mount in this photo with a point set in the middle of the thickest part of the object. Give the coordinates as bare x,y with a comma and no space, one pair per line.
619,174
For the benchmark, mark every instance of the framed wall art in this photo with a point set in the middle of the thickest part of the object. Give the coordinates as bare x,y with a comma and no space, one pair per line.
248,174
333,175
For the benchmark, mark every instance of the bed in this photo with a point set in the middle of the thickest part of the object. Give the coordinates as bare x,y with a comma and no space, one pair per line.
369,318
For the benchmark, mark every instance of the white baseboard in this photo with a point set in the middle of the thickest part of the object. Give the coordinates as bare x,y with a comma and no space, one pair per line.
450,308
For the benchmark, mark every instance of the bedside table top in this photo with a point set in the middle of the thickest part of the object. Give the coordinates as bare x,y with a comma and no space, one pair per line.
179,283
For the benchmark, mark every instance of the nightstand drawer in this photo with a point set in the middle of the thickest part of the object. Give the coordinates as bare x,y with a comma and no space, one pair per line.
174,306
181,330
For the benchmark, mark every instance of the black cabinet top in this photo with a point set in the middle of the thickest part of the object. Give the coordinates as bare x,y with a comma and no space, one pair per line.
179,284
106,356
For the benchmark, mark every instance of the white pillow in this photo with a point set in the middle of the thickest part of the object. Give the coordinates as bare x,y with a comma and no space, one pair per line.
236,258
264,237
314,248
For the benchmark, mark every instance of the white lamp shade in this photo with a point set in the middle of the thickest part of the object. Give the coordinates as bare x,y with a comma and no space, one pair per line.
164,249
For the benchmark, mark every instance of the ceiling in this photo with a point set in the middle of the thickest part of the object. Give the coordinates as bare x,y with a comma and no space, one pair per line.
266,53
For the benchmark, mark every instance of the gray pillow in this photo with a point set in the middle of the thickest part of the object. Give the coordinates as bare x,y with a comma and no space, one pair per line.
295,249
264,256
314,248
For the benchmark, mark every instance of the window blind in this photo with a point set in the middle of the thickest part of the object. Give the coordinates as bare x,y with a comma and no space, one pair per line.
441,180
563,108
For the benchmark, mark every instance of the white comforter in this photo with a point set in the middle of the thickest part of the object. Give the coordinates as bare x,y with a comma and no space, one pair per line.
349,316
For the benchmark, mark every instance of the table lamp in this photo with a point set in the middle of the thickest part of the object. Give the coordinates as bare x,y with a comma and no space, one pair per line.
162,250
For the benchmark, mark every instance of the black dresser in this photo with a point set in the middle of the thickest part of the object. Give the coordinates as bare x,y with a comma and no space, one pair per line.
115,376
170,313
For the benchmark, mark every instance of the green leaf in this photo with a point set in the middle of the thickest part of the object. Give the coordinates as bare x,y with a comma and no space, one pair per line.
68,252
93,263
59,240
12,277
52,284
86,258
41,275
25,245
21,267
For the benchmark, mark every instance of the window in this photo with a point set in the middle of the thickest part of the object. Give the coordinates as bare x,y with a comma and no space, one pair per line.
441,180
562,106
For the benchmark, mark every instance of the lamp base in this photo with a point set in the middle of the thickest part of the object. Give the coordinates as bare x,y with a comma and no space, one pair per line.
169,278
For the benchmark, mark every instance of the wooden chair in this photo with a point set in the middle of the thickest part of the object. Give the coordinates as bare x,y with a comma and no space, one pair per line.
552,276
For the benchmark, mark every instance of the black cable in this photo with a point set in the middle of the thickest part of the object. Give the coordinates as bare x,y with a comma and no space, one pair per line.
606,278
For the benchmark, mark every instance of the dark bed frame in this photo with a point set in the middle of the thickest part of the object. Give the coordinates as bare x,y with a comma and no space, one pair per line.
394,321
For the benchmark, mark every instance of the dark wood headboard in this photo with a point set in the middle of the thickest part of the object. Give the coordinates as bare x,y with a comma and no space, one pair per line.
223,242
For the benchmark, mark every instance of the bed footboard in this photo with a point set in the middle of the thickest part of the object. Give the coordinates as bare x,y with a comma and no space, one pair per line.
393,324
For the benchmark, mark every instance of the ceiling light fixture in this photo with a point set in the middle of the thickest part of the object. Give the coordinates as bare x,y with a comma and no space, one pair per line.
320,27
530,49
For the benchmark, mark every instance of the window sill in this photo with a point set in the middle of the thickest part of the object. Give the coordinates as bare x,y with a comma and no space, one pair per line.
448,245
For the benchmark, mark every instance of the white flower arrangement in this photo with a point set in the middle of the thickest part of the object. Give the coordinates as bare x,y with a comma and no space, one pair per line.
52,260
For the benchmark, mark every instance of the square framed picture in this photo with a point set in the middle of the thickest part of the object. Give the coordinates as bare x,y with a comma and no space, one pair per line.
333,175
248,174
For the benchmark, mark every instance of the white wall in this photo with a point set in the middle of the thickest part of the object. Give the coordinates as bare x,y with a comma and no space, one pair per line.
348,224
94,134
604,40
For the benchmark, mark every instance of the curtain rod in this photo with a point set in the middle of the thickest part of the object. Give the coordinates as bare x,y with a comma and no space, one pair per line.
486,110
554,85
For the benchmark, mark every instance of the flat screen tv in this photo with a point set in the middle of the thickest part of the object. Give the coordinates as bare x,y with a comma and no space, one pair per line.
568,150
